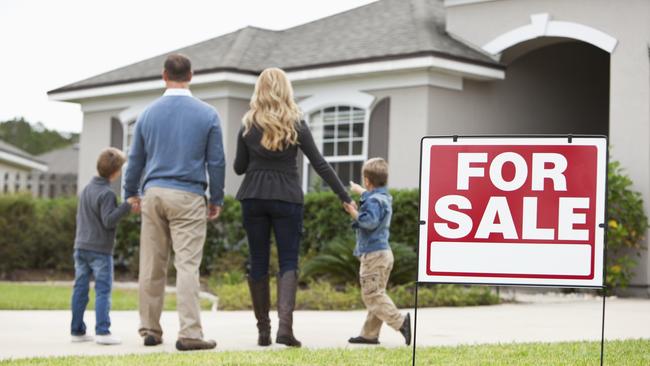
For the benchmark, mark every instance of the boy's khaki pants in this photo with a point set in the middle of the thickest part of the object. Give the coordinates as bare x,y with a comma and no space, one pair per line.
171,220
374,272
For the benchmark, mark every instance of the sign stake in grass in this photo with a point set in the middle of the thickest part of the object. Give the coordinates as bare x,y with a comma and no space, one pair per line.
513,211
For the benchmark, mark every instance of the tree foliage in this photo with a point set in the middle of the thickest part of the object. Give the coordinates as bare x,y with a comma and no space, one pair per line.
34,139
627,226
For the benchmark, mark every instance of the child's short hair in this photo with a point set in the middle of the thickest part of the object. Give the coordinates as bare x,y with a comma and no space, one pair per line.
110,161
376,170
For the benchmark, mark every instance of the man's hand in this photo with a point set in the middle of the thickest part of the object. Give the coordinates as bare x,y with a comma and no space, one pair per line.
351,209
213,211
355,188
136,204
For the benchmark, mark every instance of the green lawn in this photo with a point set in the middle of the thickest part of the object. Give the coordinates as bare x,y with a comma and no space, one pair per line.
20,296
636,352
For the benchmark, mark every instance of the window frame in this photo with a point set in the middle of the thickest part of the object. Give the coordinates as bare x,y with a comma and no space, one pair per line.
320,141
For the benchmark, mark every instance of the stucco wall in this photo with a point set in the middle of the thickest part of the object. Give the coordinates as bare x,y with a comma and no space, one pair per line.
629,111
559,89
95,136
409,108
8,176
6,167
231,111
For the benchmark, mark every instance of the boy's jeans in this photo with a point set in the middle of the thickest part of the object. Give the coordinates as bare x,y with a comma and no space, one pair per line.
374,272
87,263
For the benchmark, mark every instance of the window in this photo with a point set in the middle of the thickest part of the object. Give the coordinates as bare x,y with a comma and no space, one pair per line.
341,135
127,139
130,129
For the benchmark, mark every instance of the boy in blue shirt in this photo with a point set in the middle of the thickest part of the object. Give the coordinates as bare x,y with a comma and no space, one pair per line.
372,223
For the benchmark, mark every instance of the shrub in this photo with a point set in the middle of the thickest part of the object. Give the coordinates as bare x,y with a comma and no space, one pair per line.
53,237
627,226
17,220
39,234
337,263
322,295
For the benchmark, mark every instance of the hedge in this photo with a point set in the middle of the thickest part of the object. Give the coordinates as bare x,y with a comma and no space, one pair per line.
39,233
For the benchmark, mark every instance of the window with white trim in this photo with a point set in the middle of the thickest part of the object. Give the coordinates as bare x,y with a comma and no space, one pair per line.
130,129
341,134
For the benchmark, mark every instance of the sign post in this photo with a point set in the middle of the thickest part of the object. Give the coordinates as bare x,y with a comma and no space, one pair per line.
513,211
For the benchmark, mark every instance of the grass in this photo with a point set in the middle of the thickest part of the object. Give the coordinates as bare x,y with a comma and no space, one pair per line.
21,296
631,352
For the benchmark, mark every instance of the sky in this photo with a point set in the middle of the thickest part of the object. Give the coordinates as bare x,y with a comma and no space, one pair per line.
48,44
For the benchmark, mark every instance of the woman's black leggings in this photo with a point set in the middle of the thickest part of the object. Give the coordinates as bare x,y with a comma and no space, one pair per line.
286,220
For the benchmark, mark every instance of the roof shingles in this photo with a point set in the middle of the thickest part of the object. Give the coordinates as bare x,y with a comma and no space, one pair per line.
386,28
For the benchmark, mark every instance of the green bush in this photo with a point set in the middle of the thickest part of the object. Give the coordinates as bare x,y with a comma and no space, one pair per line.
39,234
337,264
17,220
627,226
36,234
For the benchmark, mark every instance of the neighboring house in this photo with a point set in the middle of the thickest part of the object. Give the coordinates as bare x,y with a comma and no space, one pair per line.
18,169
63,167
373,80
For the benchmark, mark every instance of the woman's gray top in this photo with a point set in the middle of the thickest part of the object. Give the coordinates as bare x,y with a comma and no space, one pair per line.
273,175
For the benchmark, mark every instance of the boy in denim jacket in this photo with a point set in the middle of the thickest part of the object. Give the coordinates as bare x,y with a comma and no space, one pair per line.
372,222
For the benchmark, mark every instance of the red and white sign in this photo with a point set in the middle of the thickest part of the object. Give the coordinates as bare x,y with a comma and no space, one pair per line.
513,210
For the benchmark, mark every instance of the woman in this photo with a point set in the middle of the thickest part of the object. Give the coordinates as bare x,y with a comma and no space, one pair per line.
271,195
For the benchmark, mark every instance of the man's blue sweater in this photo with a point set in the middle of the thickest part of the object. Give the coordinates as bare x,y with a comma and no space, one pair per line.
177,140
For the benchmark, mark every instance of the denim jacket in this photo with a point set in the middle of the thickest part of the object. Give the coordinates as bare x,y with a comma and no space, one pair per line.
373,224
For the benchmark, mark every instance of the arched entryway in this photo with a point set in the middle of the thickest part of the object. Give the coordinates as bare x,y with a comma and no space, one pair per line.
554,86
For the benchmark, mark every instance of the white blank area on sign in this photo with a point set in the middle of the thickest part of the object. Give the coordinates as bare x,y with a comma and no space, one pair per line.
508,258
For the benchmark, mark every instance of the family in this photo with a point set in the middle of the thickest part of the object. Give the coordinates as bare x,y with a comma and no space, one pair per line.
176,155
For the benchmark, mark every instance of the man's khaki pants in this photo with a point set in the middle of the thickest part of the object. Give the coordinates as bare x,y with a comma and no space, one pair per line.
171,220
374,272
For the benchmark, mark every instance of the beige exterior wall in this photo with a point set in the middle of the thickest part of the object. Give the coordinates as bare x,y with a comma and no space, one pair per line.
409,110
6,167
95,136
231,111
8,176
629,114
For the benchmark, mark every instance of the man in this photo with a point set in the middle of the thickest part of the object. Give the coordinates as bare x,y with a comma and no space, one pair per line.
176,139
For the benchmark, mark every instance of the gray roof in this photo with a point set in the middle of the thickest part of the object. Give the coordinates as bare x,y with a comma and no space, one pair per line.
381,30
62,161
11,149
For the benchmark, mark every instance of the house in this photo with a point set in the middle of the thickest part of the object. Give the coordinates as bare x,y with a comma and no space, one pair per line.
375,79
63,166
17,169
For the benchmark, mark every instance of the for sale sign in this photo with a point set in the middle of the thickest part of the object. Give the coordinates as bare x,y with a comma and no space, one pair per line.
513,210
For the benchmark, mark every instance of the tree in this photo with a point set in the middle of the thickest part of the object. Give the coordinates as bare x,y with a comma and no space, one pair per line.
34,139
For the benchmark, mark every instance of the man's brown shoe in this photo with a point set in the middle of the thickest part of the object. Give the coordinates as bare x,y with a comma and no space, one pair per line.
152,340
189,344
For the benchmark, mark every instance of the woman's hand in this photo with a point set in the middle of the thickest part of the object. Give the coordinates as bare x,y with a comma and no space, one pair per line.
355,188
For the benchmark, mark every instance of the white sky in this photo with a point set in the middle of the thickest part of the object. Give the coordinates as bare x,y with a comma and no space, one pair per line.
48,44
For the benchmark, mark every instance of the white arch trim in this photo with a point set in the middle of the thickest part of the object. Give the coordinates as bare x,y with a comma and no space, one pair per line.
542,26
333,97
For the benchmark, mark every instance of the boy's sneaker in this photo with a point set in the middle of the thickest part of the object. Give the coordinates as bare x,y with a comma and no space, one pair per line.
361,340
81,338
405,329
107,339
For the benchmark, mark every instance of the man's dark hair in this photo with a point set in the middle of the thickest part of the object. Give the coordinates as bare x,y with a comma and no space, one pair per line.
178,67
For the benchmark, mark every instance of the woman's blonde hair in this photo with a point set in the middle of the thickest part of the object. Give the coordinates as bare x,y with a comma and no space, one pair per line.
273,110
